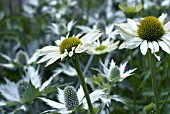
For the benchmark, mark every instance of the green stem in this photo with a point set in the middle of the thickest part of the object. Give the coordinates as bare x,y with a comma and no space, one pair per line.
110,89
153,76
83,83
134,86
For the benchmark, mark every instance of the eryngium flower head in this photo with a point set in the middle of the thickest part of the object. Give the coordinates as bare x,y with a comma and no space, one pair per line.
115,73
22,58
70,98
22,87
150,109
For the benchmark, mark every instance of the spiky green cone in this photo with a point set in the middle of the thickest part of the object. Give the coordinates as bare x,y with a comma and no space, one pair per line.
115,74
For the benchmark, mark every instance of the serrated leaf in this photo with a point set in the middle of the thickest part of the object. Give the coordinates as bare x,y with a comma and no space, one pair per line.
30,94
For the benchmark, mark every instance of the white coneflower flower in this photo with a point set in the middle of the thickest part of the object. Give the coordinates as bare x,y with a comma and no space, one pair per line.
69,99
149,33
68,46
106,46
116,73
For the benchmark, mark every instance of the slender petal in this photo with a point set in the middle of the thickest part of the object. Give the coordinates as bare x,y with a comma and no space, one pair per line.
162,18
144,47
164,46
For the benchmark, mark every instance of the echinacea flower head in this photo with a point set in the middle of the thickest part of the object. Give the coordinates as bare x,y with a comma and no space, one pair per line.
129,9
115,73
151,33
106,46
69,99
67,47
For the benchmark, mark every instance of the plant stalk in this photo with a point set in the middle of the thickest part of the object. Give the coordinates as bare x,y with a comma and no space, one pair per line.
83,83
153,77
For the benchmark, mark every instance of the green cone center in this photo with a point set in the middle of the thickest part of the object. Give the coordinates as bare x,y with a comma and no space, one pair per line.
150,29
100,48
68,43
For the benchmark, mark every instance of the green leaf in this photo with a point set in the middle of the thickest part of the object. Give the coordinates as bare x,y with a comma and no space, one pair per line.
30,94
11,103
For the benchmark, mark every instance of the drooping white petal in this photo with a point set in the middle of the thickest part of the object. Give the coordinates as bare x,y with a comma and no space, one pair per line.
53,103
52,60
60,95
131,43
71,52
162,18
62,56
156,46
150,45
144,47
164,46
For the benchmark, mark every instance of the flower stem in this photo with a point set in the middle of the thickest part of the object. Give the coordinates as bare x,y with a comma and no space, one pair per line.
83,83
110,89
153,76
134,86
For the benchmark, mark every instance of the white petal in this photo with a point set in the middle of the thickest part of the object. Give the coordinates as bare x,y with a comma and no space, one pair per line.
131,43
53,103
80,93
133,24
156,46
167,26
62,56
71,52
60,95
144,47
91,37
164,46
52,60
162,18
150,45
